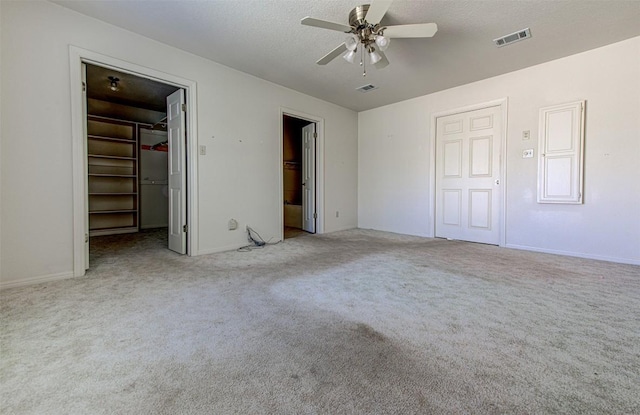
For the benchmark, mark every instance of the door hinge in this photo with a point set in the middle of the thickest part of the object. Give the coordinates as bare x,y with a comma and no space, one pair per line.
315,135
184,107
185,228
84,87
315,215
86,238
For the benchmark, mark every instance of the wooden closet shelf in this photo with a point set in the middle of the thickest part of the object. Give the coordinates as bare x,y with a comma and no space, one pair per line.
113,194
97,212
112,156
104,156
101,231
111,175
118,140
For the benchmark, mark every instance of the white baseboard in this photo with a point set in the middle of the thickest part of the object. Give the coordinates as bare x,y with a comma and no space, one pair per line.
575,254
340,229
221,249
35,280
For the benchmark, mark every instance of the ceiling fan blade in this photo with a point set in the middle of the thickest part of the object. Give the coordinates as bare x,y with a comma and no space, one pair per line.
332,55
411,30
377,10
382,63
323,24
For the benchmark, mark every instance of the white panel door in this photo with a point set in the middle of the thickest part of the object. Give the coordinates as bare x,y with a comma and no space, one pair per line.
309,178
468,176
560,153
177,174
83,74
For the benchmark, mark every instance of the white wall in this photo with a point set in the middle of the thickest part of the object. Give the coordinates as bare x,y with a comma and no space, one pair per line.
1,112
394,151
238,121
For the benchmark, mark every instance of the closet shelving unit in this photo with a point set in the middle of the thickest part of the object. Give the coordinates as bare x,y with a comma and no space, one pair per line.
112,161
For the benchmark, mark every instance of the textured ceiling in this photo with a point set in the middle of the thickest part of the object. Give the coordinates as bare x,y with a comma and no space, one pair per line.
265,38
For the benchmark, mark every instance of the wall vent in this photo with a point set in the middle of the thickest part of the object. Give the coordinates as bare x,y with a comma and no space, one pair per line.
366,88
513,37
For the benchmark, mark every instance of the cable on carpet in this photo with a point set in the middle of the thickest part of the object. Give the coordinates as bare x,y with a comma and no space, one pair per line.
256,241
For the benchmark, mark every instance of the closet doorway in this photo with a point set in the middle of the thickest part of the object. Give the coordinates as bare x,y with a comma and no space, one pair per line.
136,180
299,144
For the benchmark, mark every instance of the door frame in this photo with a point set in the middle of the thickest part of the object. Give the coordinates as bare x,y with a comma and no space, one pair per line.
503,104
319,150
78,56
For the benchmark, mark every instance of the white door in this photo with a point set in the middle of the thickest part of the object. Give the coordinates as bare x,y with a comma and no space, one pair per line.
177,174
309,178
83,74
468,151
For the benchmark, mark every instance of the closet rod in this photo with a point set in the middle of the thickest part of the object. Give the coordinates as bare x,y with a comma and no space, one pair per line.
162,121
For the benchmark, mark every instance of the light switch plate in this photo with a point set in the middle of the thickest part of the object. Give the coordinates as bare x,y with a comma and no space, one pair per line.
527,154
203,150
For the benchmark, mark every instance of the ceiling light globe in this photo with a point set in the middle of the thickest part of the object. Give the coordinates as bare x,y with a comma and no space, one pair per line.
113,83
382,42
350,56
351,43
375,57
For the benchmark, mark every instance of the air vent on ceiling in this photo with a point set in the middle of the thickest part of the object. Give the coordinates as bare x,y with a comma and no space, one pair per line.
512,38
366,88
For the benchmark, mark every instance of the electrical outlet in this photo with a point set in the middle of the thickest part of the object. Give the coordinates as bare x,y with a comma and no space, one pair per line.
526,135
233,224
527,154
203,150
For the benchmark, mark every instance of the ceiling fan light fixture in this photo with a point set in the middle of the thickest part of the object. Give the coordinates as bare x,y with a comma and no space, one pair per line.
382,42
351,43
350,56
374,56
366,32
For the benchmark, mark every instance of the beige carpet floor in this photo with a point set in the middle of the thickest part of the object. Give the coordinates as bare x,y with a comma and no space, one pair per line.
354,322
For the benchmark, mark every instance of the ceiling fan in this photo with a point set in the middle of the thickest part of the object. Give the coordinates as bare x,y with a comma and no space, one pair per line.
366,33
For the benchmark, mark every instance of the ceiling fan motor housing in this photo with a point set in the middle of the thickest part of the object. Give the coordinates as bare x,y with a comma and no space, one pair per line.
357,15
364,30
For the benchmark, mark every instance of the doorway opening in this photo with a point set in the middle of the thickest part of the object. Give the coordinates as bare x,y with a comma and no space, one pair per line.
299,137
130,196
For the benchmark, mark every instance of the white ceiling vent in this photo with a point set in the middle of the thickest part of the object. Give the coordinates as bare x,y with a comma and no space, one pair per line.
513,37
366,88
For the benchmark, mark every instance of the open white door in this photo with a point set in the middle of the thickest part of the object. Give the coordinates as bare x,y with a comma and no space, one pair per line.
177,174
309,178
86,167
